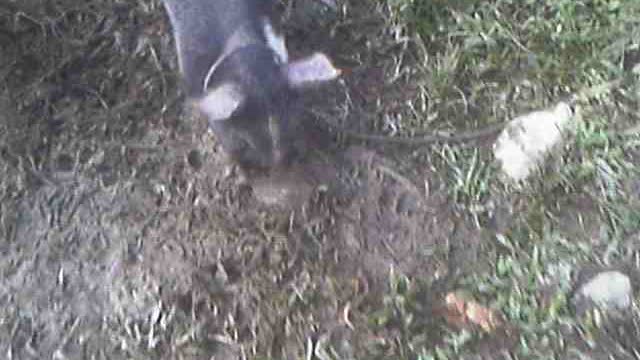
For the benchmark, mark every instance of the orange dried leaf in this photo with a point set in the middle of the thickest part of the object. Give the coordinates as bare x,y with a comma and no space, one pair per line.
462,311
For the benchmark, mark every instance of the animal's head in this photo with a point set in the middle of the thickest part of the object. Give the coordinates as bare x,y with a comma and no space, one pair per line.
237,71
253,107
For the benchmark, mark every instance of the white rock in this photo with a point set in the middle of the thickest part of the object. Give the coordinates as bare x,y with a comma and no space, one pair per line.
609,289
523,144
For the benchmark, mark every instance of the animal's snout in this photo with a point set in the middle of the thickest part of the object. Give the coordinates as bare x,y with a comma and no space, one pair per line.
254,148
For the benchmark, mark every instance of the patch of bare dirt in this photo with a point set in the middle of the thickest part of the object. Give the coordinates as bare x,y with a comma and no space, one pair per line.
127,234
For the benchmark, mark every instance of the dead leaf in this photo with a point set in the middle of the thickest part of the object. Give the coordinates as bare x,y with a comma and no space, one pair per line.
462,311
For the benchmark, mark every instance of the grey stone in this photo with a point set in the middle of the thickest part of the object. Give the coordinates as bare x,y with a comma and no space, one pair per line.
609,290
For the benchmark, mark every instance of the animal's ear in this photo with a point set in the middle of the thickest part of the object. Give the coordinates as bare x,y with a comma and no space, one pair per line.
313,69
221,102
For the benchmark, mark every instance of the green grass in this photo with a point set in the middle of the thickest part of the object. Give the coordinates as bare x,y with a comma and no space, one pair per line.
486,61
470,176
521,52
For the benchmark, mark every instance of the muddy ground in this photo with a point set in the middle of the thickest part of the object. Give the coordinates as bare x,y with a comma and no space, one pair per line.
127,233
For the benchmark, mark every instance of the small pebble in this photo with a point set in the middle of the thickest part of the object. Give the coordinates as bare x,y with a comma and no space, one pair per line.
609,290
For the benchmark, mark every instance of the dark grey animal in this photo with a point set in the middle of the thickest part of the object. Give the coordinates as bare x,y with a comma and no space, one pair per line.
236,69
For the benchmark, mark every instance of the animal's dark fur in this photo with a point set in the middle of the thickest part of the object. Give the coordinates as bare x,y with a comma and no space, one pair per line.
236,69
202,28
